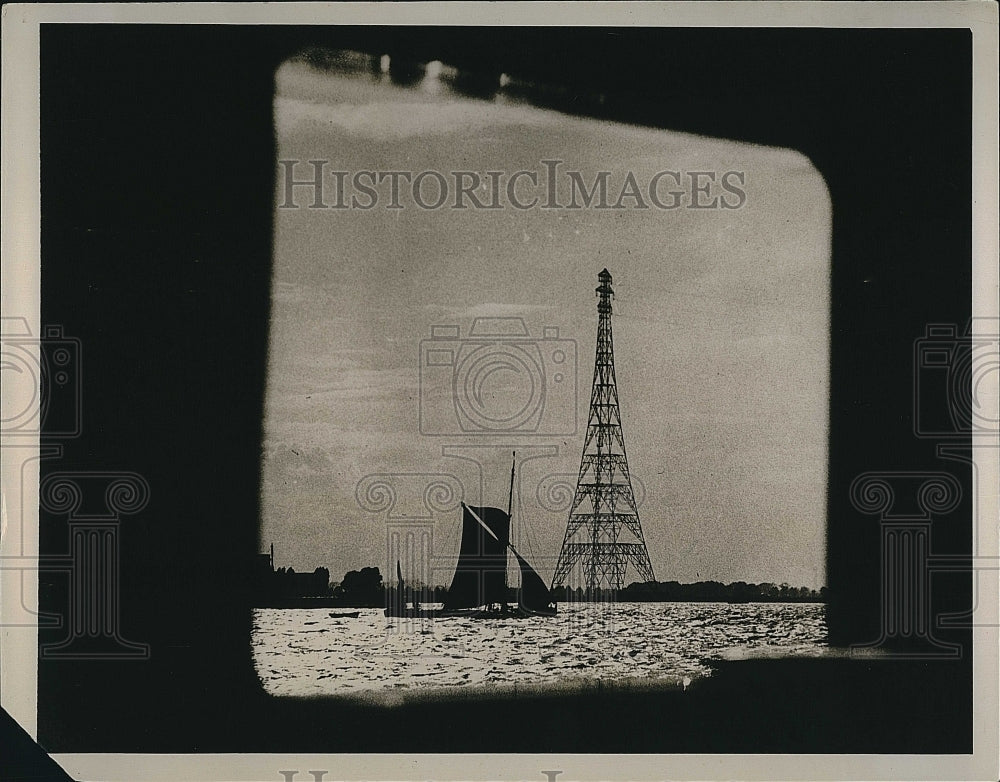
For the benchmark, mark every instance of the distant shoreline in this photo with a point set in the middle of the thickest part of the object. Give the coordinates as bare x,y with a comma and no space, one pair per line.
284,588
327,602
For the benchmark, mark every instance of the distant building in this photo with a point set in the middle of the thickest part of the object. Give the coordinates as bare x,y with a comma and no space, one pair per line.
272,585
264,567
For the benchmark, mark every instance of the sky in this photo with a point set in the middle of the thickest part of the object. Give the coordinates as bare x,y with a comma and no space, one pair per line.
721,320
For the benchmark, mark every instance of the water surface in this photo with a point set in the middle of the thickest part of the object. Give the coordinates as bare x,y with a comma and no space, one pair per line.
308,652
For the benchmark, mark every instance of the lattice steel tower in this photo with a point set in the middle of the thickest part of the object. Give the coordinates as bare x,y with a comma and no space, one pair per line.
603,534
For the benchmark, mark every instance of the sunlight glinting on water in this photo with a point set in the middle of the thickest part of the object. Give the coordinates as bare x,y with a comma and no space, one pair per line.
310,652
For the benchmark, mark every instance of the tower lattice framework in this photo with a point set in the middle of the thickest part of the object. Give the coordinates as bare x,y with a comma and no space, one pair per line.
603,534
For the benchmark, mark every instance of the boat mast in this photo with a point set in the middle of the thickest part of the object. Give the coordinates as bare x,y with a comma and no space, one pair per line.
510,503
510,497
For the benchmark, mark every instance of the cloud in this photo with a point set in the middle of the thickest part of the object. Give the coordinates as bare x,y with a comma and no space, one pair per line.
488,309
399,120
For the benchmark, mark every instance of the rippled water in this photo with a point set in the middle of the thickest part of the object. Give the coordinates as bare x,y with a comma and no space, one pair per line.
308,652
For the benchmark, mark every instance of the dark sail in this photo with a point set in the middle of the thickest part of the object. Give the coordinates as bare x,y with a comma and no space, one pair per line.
535,596
481,575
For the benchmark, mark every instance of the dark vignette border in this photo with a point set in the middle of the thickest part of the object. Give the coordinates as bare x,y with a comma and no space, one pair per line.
157,184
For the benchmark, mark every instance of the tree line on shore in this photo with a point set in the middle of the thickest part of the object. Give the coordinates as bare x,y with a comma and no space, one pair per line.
716,592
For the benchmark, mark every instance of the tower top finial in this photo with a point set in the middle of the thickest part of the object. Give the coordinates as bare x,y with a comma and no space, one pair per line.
604,292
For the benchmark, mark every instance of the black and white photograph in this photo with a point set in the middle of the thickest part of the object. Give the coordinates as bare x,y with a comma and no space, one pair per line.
418,346
493,391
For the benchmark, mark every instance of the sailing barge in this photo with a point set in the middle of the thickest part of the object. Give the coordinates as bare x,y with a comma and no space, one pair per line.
479,587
